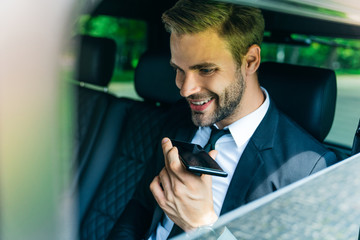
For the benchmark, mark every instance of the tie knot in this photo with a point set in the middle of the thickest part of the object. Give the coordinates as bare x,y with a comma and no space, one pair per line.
214,136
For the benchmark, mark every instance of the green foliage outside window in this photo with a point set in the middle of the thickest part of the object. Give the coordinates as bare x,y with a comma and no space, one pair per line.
130,38
342,55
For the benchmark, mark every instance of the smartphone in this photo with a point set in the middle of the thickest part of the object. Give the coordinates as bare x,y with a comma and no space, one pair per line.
196,160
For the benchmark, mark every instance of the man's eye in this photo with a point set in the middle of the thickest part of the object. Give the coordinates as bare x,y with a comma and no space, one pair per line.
207,71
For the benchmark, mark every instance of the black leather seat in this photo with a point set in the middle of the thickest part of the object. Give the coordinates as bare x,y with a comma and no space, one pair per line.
94,69
99,117
305,94
130,131
155,78
96,60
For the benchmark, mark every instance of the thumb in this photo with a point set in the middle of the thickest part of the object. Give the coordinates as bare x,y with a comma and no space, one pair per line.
213,154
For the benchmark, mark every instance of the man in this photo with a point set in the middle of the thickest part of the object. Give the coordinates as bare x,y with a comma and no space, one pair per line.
215,50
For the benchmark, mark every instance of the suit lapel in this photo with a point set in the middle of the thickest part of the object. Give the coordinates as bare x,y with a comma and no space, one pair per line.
158,213
251,161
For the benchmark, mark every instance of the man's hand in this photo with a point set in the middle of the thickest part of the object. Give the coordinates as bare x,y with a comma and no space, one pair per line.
185,197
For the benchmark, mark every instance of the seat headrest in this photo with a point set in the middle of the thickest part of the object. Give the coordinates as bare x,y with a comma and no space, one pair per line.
96,60
155,78
306,94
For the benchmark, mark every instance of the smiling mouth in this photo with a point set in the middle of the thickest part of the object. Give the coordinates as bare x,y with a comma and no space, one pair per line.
199,106
198,103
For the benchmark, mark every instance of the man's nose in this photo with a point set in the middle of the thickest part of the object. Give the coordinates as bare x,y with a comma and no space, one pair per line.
189,86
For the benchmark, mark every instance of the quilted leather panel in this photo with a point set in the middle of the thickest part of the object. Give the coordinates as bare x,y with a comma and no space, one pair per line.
137,144
99,154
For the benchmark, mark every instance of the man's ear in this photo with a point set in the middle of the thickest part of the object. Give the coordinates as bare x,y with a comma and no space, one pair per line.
252,59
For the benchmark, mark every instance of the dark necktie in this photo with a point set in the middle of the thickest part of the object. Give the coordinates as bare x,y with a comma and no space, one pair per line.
214,136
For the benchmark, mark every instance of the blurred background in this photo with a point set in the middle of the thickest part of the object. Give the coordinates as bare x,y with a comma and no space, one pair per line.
37,58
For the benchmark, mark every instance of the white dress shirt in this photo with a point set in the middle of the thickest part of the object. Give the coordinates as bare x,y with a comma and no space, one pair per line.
230,148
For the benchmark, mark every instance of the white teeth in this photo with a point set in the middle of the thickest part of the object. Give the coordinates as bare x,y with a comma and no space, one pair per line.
201,102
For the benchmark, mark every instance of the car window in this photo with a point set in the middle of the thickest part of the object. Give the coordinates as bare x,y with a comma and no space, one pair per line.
341,55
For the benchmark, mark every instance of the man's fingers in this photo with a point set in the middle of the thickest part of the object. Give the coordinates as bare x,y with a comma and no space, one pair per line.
167,147
171,155
166,183
158,192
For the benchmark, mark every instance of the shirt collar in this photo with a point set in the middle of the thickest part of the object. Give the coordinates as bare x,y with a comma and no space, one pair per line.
244,128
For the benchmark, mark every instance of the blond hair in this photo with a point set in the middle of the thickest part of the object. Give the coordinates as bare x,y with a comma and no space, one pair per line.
240,26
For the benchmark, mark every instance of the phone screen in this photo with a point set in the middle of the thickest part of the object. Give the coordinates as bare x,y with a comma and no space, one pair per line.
196,160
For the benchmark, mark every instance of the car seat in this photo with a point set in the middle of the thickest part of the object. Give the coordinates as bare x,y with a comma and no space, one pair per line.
305,94
93,72
134,127
97,117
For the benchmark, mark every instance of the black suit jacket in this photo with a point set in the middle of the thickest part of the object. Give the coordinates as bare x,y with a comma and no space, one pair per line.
279,153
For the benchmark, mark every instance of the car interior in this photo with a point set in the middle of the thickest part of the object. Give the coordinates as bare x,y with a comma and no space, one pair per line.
117,136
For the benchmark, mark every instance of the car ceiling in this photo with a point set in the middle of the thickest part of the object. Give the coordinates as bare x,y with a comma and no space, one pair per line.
277,19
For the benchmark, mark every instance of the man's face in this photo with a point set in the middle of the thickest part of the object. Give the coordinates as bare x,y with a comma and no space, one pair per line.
208,77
